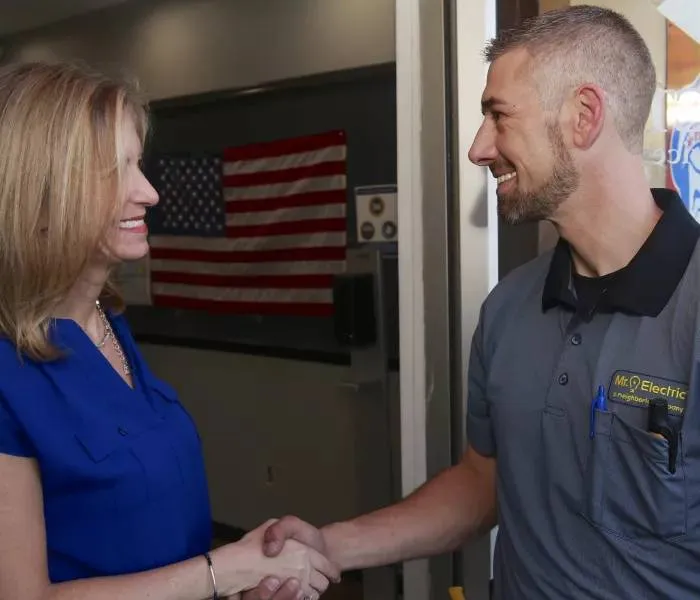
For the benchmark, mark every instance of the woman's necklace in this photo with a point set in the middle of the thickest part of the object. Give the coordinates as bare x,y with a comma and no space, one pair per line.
109,333
102,343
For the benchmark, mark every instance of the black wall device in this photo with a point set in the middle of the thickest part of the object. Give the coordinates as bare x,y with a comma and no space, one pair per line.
355,322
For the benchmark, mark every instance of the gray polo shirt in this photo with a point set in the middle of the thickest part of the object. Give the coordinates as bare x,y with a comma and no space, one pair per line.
592,507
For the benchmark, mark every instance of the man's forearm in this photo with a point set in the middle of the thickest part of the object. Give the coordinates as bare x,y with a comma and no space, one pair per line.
436,518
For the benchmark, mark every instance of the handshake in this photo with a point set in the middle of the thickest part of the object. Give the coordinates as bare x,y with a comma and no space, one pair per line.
283,559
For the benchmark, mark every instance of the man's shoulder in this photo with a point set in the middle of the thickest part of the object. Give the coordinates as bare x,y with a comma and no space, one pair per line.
523,284
692,271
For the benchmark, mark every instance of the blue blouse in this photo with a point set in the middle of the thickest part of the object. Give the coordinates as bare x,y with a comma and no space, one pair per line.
122,469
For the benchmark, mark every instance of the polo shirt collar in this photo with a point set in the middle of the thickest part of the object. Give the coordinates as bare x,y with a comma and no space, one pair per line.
646,285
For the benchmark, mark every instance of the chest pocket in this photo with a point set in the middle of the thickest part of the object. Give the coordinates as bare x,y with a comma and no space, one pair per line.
131,463
97,481
121,471
630,489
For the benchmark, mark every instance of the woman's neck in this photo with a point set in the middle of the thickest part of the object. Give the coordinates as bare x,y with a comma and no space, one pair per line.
80,303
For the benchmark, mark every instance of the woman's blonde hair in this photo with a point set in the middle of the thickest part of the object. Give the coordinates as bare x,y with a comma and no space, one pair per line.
60,189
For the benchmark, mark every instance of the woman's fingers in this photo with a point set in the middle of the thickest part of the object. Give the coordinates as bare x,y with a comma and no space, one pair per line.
324,566
318,582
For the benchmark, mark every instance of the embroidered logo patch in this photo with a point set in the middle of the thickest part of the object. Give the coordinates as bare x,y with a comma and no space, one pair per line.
638,389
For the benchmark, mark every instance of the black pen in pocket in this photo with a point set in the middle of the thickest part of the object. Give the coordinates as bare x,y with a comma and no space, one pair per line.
658,424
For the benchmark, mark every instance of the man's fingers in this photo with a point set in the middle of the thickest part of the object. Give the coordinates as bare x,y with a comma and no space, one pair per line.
288,591
265,590
290,528
272,588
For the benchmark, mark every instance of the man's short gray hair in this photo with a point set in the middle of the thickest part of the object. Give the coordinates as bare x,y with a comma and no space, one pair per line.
587,44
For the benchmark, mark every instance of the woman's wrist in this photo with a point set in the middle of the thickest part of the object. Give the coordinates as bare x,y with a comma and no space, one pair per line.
212,578
232,569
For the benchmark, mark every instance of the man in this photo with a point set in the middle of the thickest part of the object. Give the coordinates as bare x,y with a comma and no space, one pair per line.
583,424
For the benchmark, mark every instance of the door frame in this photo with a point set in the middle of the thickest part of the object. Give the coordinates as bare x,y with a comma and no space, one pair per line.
448,253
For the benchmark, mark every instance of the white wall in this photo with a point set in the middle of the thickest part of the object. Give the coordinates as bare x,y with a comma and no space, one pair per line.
180,47
547,5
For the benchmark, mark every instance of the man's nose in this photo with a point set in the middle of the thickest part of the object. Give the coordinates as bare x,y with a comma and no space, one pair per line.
483,149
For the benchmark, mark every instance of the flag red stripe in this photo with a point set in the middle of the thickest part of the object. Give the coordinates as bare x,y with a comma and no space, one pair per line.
324,169
286,228
309,282
319,253
282,147
293,201
299,309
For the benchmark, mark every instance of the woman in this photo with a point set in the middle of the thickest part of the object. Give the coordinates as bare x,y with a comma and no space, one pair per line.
102,485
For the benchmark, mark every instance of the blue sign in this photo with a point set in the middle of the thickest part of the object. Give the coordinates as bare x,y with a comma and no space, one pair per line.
684,163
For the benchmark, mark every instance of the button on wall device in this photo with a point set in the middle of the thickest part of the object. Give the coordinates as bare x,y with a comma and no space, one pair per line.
563,379
576,339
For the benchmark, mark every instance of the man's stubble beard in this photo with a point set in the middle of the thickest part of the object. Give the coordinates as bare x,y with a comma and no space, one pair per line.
525,207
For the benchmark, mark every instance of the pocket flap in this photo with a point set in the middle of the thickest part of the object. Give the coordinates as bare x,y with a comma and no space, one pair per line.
102,438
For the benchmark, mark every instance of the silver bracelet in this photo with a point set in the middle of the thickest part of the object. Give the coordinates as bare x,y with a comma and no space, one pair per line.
212,575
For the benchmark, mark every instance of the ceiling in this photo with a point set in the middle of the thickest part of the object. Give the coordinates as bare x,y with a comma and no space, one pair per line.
20,15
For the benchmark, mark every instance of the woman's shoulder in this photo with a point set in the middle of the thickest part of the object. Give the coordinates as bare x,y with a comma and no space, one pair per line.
19,373
13,437
10,357
21,383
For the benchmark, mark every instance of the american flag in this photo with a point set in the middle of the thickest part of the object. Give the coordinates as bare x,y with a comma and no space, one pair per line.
258,230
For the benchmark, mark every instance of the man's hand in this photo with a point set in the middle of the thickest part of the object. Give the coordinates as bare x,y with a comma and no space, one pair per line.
274,538
272,589
291,528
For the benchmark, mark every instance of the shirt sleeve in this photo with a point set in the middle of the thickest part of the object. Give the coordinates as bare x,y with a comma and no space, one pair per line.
479,428
13,439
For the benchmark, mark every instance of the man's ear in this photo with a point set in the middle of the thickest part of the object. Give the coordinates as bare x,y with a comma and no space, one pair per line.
588,112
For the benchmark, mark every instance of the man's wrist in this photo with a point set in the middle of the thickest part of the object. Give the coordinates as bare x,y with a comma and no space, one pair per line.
338,541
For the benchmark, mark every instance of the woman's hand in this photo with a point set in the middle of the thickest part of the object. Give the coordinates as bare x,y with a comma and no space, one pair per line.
242,565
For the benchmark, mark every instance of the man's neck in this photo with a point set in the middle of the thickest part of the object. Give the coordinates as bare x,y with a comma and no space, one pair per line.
607,223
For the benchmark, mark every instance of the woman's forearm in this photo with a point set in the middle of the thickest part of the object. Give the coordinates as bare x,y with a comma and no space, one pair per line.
234,568
187,580
237,567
